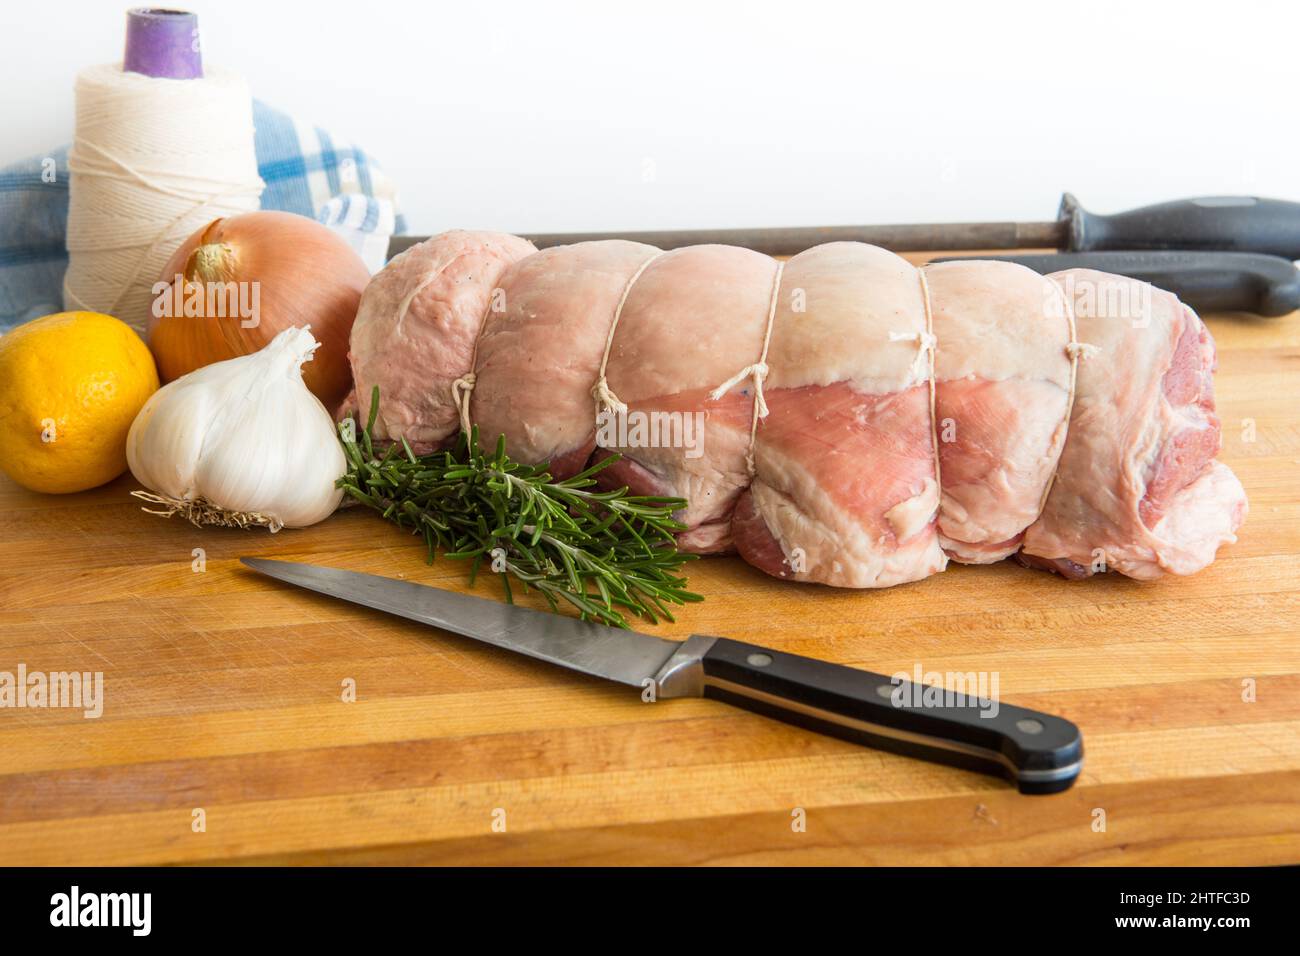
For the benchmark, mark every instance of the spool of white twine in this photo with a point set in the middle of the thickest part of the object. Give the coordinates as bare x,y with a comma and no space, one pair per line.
153,160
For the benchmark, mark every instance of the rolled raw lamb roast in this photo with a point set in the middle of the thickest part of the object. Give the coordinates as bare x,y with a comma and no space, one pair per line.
842,417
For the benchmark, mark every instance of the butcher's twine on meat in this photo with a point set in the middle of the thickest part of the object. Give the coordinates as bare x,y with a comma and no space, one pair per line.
926,339
1076,350
923,364
605,398
463,388
759,370
925,356
460,394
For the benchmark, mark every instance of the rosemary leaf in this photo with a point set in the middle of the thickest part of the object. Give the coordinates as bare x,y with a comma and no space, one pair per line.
602,552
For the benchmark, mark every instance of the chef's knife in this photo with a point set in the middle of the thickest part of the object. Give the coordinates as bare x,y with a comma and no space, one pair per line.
1039,752
1224,223
1207,281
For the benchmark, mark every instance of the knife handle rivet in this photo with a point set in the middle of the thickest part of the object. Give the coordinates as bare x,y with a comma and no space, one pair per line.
759,660
1027,725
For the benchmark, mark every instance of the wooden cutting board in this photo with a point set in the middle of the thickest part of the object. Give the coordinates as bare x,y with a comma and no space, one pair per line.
225,736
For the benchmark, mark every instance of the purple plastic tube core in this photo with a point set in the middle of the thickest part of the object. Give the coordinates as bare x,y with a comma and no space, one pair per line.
161,42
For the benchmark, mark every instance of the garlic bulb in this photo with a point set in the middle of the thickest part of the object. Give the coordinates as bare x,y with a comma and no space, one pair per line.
241,442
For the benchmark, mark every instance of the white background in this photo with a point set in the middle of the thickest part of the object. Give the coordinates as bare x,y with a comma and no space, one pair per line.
549,115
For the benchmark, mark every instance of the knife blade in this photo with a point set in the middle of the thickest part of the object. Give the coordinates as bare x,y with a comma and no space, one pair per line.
1040,753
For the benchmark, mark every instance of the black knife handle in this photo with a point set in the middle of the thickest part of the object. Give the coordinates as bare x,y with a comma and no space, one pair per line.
1039,752
1217,223
1207,281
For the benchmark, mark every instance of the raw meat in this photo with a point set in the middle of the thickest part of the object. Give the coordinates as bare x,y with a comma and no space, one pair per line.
1003,370
1138,490
863,421
846,488
694,318
416,328
558,307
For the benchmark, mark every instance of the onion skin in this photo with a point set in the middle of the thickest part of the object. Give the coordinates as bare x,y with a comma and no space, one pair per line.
306,275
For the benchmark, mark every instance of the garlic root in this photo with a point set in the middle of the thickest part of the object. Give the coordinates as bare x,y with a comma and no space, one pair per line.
200,512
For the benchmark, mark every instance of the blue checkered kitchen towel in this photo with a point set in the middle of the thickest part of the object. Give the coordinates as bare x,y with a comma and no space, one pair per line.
306,171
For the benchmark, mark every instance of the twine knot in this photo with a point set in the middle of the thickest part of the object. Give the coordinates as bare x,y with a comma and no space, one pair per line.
926,342
605,398
460,393
759,371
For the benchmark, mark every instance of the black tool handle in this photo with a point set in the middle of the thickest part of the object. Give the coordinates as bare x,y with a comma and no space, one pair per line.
1207,281
1214,223
1039,752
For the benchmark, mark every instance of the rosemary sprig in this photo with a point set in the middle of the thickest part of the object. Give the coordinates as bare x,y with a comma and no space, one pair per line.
599,551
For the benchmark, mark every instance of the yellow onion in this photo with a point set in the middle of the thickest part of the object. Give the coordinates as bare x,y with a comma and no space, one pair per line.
237,282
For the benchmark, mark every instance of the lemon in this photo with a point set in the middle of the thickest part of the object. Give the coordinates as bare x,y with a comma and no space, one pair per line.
70,386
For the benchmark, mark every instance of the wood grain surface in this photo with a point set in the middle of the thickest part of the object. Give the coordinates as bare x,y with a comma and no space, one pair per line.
224,694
